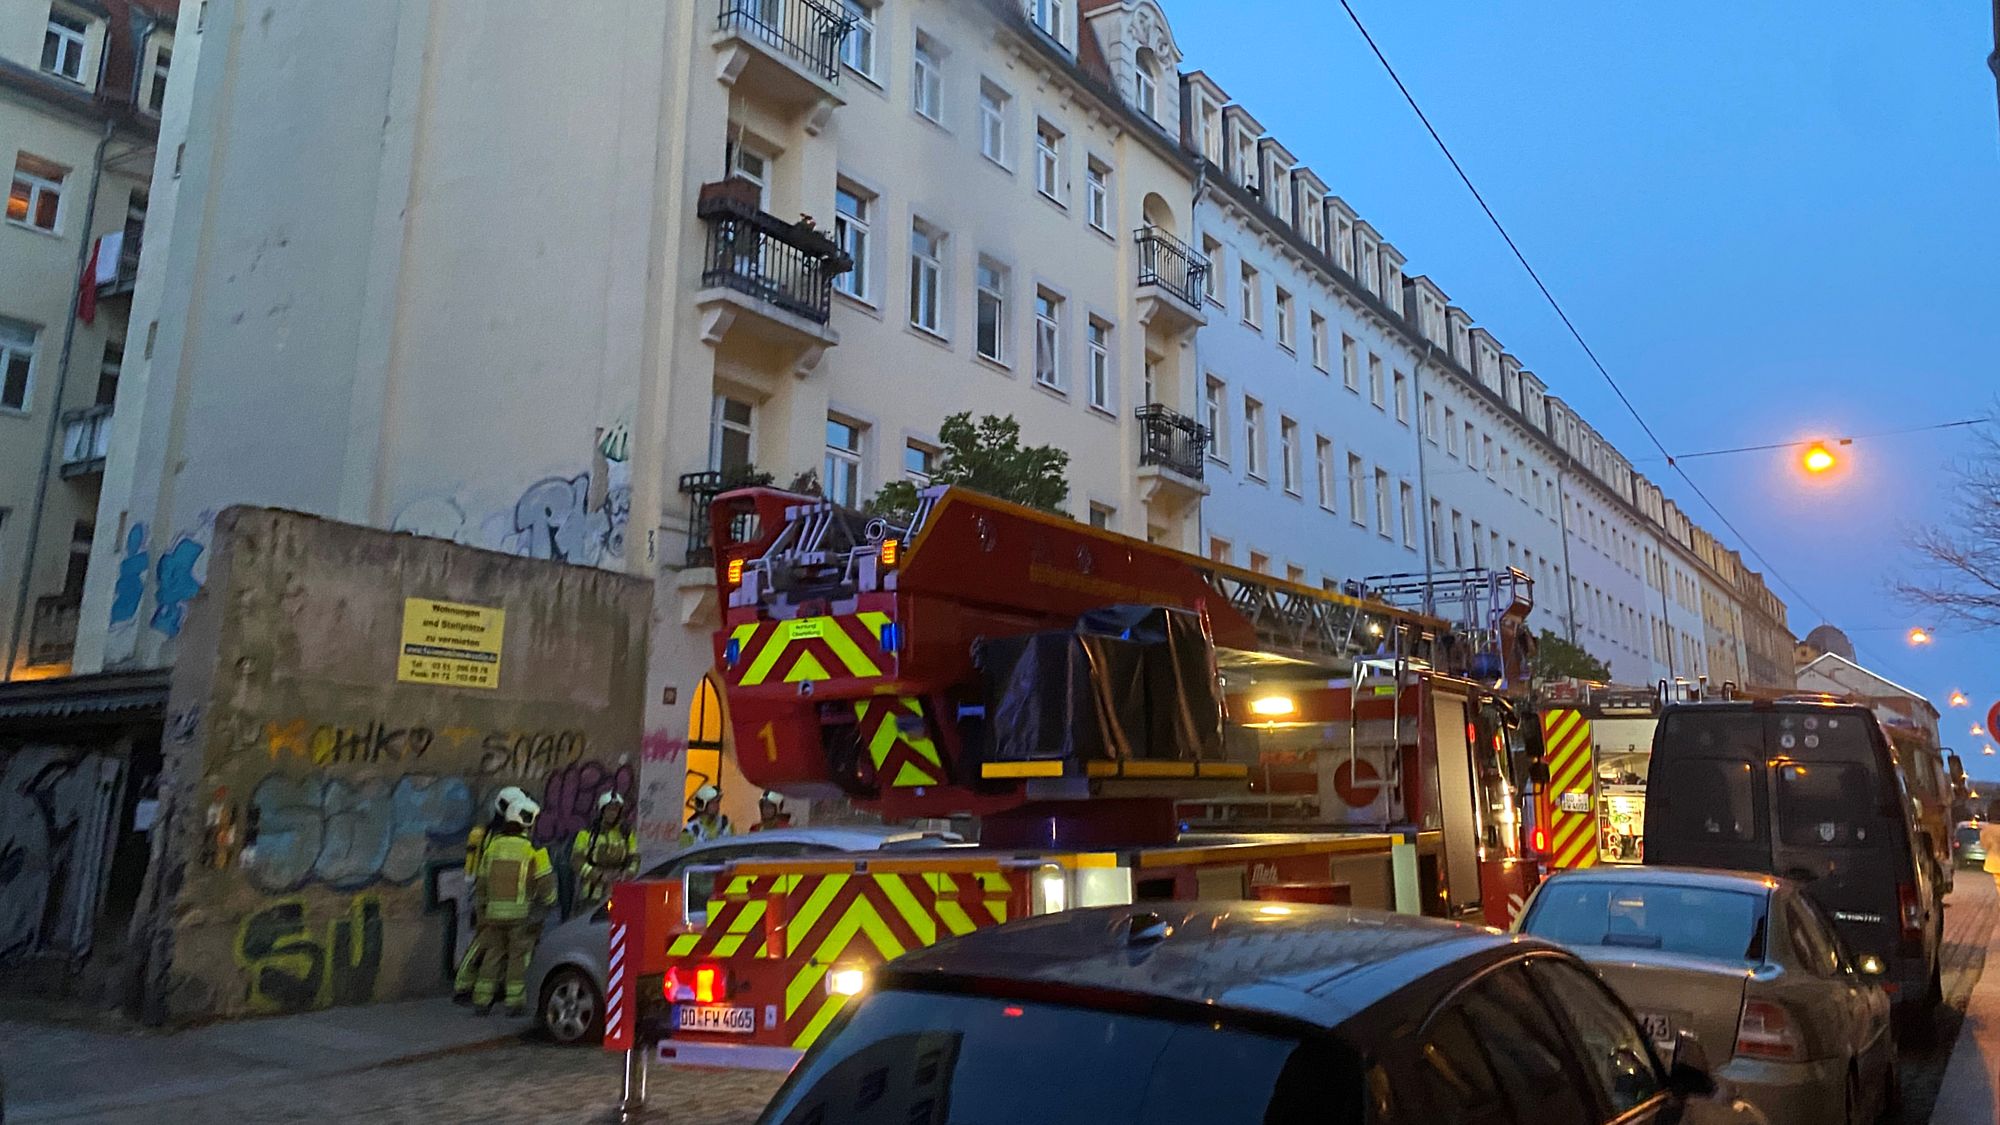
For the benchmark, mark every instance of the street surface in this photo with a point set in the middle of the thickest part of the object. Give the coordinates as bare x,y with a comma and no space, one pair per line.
519,1078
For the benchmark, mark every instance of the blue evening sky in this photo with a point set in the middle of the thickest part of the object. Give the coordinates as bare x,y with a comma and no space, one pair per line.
1770,220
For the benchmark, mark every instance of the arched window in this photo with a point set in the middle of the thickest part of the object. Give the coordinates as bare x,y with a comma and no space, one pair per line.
1147,91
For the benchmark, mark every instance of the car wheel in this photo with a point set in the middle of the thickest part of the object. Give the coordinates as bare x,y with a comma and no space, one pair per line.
571,1011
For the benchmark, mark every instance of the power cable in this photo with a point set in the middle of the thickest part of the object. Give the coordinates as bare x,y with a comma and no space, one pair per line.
1564,316
1846,440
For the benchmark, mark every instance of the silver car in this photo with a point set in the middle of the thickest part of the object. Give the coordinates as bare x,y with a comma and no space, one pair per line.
566,976
1791,1022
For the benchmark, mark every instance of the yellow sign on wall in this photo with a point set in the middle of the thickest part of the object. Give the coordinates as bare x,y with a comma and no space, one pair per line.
450,643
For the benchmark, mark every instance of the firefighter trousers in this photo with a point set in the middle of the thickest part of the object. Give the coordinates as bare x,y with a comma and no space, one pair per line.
506,946
468,965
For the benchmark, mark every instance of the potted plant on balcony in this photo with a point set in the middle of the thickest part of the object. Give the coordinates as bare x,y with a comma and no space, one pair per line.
734,196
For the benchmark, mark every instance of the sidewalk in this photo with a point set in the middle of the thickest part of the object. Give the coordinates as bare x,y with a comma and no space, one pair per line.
1967,1092
58,1073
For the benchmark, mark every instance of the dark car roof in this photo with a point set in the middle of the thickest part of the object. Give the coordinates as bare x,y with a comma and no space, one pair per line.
1813,704
1320,965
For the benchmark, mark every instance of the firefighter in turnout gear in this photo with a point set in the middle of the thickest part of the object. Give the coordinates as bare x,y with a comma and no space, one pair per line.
771,812
604,853
707,823
475,844
515,885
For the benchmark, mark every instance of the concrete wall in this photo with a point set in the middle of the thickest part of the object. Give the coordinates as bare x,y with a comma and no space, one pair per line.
313,799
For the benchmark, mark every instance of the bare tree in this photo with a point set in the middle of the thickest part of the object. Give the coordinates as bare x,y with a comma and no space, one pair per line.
1959,577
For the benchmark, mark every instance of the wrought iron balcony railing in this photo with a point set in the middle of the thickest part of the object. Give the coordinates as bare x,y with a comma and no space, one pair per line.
701,489
807,31
1172,441
86,440
1168,263
787,265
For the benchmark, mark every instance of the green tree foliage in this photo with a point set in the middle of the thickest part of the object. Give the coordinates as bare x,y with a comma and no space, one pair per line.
988,457
1557,658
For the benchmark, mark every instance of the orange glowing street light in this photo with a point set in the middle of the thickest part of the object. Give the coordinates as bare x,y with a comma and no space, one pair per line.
1977,730
1920,636
1818,458
1958,699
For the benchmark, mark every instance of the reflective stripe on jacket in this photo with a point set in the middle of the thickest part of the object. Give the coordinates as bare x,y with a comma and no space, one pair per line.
514,876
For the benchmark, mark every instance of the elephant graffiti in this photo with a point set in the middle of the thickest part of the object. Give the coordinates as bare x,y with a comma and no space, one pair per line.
290,970
349,834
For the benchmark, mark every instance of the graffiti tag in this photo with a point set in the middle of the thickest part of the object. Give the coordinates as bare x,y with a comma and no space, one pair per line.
569,800
349,834
291,970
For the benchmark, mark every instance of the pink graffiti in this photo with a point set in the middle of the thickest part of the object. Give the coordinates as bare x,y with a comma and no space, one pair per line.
569,800
659,746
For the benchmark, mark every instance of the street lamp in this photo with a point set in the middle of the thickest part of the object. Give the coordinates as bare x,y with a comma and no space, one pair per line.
1920,635
1818,458
1977,730
1958,699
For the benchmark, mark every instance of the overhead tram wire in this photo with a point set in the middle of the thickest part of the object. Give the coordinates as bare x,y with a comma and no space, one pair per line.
1564,316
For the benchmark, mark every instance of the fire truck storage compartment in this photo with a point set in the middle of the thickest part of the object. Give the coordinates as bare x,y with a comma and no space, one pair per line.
1451,784
1129,682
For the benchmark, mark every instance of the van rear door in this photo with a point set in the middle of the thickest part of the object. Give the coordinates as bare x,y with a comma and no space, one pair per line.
1837,825
1706,798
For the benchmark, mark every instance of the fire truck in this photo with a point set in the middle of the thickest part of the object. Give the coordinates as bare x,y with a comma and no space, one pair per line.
1126,721
1597,743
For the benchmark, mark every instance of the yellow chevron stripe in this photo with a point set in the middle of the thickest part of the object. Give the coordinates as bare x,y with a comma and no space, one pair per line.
1583,854
821,1018
683,945
800,926
1573,775
1558,724
919,920
739,929
1566,833
860,918
846,650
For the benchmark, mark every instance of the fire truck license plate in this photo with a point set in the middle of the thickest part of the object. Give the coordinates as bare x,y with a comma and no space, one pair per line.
718,1017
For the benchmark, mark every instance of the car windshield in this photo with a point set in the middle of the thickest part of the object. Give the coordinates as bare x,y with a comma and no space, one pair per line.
1968,834
1719,925
934,1058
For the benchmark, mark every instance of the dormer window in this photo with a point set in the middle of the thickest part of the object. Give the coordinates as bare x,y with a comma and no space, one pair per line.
1246,160
63,44
1211,133
1146,85
1048,15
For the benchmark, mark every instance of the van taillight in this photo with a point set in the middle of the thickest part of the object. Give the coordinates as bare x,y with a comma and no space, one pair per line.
1912,909
1765,1031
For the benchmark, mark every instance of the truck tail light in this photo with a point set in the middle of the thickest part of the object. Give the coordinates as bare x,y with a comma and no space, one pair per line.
1541,841
1911,908
1766,1031
704,984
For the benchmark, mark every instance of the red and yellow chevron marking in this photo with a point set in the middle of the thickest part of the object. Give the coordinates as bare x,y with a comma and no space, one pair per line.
901,758
808,648
1572,835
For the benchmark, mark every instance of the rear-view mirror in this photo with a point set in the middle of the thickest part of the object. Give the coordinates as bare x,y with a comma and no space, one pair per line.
1689,1075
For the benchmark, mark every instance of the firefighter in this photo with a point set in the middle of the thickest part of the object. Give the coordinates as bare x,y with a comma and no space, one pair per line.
475,844
708,822
515,885
771,812
604,853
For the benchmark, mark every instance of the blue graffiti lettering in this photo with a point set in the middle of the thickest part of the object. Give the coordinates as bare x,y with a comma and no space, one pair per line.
175,584
131,587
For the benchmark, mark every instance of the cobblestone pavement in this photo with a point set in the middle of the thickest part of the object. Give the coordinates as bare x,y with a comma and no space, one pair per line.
532,1081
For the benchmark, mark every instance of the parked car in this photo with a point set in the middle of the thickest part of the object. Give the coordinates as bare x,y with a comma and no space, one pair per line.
1751,965
1967,849
1228,1013
1808,791
567,973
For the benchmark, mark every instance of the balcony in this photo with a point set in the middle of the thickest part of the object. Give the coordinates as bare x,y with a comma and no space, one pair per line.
52,630
701,489
764,281
785,53
1172,458
124,276
1172,281
86,440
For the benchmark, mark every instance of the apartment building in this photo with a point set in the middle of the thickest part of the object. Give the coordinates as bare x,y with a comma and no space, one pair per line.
82,84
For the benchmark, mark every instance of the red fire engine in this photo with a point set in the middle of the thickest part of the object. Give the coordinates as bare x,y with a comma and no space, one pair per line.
1126,721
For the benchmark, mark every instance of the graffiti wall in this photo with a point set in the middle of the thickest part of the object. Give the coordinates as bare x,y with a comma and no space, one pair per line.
56,810
315,796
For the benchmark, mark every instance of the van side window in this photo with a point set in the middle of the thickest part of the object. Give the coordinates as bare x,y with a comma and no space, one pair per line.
1713,799
1829,805
1716,734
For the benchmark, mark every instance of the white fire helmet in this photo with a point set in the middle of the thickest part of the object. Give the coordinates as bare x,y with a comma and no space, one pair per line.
772,797
504,800
610,797
522,811
705,794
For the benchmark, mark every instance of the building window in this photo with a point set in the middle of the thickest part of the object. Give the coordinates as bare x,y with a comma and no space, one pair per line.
1323,467
1430,417
1319,341
1252,315
1253,437
919,463
1457,540
62,45
1097,195
1146,84
1350,363
1409,498
1437,531
17,364
843,462
1101,516
156,87
850,230
992,311
1478,555
927,89
1048,339
1211,282
1486,454
1385,525
747,163
107,372
730,434
1288,454
1218,551
1215,408
1377,393
1098,338
1152,362
858,49
1450,432
1048,160
1471,446
35,199
1295,574
1402,390
1260,563
993,123
1283,301
926,277
1357,491
1048,15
